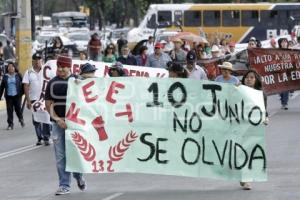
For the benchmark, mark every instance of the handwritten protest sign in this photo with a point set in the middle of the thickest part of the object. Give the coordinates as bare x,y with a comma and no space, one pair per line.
280,69
104,67
49,71
165,126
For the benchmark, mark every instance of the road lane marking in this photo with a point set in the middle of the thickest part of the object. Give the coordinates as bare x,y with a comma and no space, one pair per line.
113,196
18,151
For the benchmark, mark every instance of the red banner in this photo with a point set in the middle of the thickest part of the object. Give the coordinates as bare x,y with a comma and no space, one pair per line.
279,68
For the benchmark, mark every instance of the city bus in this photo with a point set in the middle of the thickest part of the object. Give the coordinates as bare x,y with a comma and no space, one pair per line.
236,21
69,19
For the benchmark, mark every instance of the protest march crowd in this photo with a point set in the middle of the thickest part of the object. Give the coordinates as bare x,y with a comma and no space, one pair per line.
181,61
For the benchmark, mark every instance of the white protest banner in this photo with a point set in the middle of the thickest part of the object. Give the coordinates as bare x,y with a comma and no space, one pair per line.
170,126
49,71
104,67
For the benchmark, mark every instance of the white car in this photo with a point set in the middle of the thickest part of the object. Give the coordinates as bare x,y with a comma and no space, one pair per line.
40,41
81,40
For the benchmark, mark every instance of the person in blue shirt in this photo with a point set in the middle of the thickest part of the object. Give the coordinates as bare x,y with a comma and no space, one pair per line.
11,84
226,77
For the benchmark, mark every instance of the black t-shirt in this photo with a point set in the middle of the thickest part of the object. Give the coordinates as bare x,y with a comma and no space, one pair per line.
56,91
121,43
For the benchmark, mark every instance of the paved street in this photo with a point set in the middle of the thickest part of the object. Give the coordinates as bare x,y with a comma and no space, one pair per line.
28,172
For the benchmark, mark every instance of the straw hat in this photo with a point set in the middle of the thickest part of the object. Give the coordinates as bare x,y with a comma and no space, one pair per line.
215,48
178,40
226,65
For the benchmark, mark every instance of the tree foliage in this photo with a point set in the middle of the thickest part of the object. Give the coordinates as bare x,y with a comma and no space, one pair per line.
119,12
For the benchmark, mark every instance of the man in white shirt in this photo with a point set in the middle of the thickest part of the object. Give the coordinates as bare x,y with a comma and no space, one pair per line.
33,81
195,71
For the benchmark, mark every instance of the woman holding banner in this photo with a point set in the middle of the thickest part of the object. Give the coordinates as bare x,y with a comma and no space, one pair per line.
253,79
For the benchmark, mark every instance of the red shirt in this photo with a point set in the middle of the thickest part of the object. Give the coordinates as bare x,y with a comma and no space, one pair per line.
94,45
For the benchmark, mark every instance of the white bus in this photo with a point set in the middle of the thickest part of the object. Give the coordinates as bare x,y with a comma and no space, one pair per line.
70,19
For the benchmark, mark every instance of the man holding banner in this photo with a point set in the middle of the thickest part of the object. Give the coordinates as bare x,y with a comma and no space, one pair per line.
56,94
33,81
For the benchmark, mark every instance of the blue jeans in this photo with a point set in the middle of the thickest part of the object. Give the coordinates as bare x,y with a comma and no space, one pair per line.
42,130
284,98
58,136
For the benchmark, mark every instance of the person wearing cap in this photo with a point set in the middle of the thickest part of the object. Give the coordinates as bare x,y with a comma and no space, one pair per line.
158,59
55,96
176,70
215,51
252,43
195,71
178,54
87,71
226,77
126,58
33,82
11,86
116,70
167,46
94,47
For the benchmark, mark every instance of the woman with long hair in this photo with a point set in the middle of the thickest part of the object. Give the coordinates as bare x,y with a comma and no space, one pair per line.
253,80
110,54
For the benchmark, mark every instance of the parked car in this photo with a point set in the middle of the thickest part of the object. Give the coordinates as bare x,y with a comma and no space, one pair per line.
40,40
81,39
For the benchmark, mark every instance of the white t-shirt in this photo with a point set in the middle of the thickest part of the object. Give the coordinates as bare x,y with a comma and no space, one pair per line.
35,81
198,73
150,47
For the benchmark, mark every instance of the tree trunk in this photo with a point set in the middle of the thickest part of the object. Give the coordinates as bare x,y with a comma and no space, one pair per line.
100,15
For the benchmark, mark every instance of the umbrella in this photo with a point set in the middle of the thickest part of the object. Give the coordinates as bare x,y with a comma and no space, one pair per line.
190,37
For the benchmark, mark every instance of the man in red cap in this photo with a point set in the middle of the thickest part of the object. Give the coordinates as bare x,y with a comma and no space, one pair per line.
55,96
158,59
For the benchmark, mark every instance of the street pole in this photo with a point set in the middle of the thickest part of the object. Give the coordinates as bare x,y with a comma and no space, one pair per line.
23,34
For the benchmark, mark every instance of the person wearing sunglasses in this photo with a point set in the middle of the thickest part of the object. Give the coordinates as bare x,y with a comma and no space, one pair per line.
109,54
